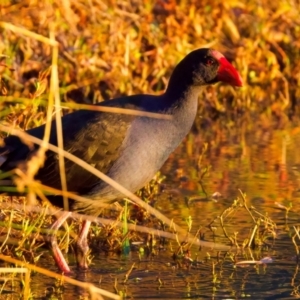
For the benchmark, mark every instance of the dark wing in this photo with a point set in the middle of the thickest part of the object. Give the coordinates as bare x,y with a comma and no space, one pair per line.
97,141
94,137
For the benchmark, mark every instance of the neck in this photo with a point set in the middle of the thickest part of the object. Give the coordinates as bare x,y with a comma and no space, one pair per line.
183,107
182,95
181,86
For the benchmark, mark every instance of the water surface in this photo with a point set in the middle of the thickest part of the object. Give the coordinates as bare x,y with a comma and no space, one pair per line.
260,160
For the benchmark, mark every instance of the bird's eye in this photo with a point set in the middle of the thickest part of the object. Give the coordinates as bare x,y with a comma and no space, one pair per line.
209,62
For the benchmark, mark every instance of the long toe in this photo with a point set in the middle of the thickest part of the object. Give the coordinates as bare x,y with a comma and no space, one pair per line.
81,257
58,257
82,247
53,246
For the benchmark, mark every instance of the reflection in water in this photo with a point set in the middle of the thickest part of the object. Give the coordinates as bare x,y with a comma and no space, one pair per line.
264,164
212,278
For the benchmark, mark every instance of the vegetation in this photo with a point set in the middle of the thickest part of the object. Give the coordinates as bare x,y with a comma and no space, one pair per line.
111,48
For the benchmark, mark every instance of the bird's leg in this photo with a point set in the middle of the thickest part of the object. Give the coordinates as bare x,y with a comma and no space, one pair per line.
52,242
82,247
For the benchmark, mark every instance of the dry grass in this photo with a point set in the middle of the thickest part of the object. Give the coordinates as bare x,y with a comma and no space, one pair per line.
112,48
82,52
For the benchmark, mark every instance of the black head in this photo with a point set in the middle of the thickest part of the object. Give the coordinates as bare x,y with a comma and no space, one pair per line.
204,66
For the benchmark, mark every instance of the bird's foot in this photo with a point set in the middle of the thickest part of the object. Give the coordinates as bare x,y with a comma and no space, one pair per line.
58,257
52,243
81,256
82,247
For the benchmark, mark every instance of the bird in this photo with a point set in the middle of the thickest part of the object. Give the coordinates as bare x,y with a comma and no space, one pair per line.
129,149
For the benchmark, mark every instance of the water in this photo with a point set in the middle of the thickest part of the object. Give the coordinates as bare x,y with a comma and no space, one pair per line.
260,161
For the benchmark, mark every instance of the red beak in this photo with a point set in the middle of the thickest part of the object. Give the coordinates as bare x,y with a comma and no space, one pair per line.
228,74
